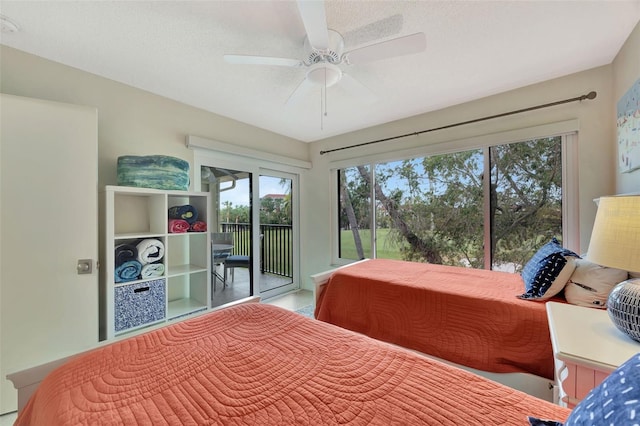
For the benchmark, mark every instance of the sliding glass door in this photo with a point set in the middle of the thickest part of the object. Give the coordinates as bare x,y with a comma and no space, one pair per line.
257,208
278,235
232,273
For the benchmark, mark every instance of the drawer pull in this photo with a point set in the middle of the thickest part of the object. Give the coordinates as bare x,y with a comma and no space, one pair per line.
141,289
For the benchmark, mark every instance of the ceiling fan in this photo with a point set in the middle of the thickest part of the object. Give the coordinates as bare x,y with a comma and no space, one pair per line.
324,53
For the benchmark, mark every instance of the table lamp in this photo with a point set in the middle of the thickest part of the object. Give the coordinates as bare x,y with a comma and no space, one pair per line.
615,243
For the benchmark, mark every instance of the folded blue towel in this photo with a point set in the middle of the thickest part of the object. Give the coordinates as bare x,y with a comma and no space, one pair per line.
152,270
186,212
128,271
125,252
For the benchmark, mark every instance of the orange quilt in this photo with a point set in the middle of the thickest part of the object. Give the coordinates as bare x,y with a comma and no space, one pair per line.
257,364
471,317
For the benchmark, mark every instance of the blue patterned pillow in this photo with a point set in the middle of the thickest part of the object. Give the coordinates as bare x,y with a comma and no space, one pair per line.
548,271
534,421
615,401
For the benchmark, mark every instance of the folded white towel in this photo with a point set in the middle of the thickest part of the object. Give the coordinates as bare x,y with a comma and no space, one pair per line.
152,270
150,251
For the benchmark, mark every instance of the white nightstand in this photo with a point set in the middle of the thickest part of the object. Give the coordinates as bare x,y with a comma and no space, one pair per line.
586,347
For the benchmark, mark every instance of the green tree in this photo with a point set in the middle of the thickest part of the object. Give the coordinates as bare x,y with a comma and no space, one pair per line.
277,209
527,182
237,214
435,205
349,213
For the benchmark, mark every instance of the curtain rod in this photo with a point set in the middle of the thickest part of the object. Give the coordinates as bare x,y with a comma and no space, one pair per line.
590,95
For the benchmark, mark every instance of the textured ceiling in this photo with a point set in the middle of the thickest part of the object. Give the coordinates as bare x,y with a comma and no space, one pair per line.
175,49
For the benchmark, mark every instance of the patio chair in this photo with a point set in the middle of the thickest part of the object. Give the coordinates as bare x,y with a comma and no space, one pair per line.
221,247
235,261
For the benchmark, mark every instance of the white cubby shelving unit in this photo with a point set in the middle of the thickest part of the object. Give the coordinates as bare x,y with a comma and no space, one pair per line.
134,214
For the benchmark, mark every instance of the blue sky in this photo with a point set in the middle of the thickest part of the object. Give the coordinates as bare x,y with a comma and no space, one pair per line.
239,196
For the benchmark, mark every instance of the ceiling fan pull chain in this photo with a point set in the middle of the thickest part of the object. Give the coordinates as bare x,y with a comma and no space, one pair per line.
321,109
325,92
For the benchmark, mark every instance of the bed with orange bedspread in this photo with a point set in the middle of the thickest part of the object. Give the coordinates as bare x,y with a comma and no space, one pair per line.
261,365
467,316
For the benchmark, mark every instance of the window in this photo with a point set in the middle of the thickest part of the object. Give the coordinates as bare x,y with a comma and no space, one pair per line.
484,208
354,193
525,200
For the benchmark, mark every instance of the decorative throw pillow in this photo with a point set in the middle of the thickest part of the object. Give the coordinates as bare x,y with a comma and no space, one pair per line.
534,421
615,401
547,272
590,284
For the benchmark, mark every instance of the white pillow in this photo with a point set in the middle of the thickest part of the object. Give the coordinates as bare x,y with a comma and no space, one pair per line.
590,284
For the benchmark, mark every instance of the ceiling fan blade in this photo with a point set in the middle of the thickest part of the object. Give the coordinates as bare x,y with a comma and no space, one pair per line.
357,89
303,88
377,30
314,19
407,45
262,60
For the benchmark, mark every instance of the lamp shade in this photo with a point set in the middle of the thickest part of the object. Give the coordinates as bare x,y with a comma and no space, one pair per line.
615,239
615,242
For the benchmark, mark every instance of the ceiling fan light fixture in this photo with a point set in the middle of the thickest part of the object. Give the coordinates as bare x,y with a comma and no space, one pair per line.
332,54
324,74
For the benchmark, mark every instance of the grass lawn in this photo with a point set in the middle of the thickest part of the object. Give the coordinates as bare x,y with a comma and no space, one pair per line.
385,248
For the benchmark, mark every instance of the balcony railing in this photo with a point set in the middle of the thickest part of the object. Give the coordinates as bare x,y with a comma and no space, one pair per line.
276,247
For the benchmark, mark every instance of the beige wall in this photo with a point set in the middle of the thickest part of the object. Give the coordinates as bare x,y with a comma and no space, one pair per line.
626,71
132,121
